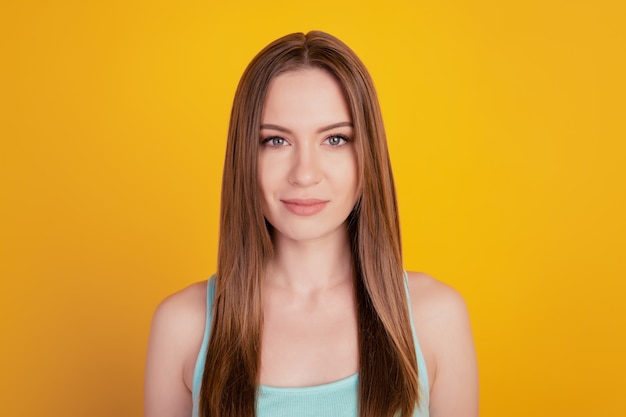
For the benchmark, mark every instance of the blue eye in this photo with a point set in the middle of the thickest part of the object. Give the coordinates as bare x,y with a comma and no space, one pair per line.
274,141
337,140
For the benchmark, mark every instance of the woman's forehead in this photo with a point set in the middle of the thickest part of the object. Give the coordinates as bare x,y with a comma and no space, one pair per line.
305,96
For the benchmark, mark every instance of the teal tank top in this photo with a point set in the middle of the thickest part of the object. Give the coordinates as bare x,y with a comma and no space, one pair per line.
337,399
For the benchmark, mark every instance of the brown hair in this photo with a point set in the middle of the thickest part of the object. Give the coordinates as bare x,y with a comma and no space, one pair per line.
388,380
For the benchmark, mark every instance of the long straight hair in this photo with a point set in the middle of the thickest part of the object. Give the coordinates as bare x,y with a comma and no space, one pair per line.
388,379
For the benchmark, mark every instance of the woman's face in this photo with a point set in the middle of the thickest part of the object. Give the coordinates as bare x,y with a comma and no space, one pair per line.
307,159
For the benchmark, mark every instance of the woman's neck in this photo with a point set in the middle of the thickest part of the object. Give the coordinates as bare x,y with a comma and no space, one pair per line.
310,266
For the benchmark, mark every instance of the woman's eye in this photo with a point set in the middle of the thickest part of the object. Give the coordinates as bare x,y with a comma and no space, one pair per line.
337,140
275,141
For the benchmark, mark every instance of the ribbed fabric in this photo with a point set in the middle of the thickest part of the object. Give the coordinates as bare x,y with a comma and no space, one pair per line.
336,399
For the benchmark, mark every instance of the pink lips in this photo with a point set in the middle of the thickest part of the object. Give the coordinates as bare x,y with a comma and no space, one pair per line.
305,206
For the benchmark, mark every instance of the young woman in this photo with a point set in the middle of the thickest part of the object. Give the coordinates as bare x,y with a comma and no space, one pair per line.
310,312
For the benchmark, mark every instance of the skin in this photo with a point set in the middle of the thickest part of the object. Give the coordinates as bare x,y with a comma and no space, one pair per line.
309,334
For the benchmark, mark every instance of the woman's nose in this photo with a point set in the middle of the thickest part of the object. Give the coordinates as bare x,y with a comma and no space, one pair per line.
306,167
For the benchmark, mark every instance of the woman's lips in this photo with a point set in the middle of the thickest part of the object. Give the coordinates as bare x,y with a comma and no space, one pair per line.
305,206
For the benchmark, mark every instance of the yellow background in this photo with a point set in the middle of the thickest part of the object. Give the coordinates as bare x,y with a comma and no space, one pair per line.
506,128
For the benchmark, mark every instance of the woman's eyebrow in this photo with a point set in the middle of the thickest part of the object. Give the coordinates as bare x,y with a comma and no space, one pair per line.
334,126
274,127
270,126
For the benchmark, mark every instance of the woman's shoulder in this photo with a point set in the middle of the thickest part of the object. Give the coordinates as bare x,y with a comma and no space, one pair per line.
183,313
430,296
437,308
443,328
185,300
182,309
178,328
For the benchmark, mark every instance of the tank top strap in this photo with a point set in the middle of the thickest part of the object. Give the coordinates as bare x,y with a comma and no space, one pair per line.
200,361
424,392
